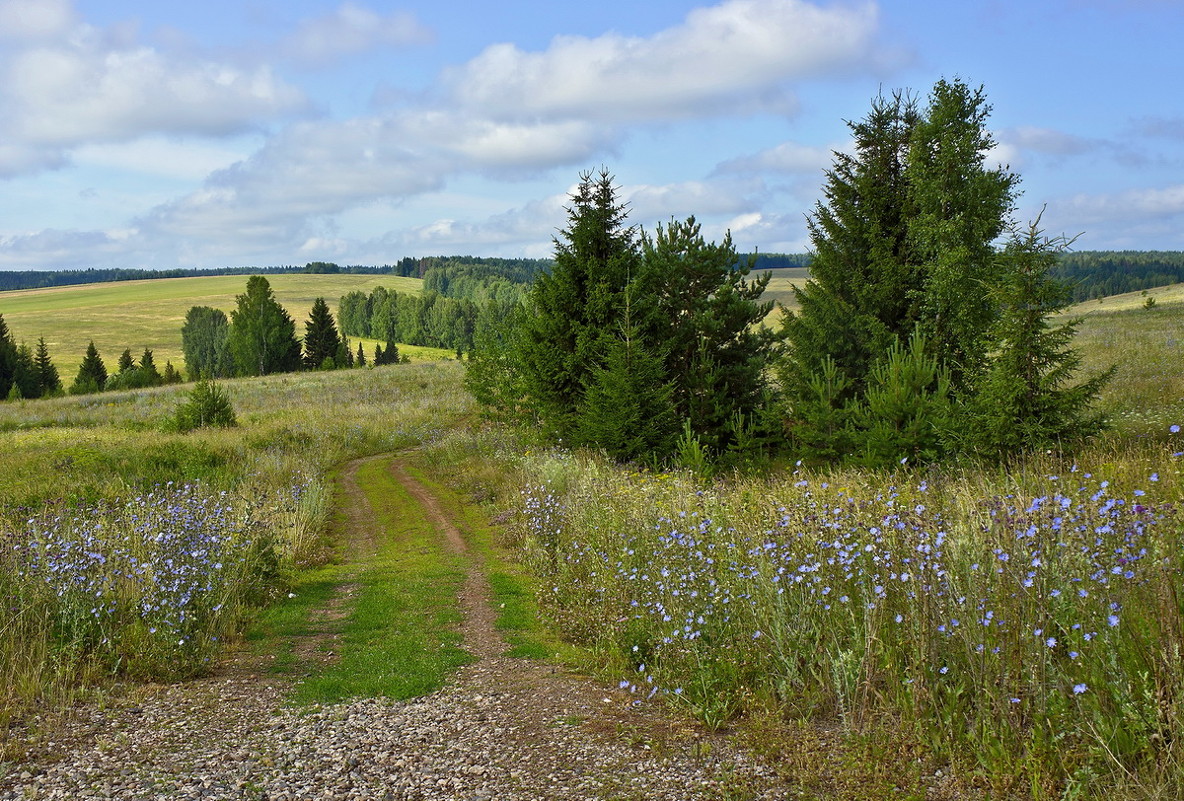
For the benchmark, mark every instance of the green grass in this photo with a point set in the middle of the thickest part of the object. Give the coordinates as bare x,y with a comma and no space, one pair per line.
150,313
66,455
514,590
399,638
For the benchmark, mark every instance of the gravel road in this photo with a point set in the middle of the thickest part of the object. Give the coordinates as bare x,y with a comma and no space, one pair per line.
503,729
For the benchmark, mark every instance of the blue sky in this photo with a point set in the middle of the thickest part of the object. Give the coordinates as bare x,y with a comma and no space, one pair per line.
161,135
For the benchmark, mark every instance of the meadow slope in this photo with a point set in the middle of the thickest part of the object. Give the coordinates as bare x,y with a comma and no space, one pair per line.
150,313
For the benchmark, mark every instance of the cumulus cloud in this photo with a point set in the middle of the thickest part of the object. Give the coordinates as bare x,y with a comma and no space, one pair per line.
64,84
739,53
349,30
34,19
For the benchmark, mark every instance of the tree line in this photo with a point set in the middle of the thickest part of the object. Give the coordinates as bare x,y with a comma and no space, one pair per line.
259,338
925,331
29,373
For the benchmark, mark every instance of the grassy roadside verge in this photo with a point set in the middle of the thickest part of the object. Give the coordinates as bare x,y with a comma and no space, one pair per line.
396,636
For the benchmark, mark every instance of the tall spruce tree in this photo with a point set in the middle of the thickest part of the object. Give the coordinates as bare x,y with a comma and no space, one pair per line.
904,243
321,341
24,375
627,409
574,309
150,373
863,279
92,373
262,336
48,380
958,208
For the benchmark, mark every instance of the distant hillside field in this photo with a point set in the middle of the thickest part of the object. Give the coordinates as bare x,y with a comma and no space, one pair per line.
149,314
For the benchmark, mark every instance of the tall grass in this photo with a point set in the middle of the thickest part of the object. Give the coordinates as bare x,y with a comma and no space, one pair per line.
1031,632
1022,622
131,549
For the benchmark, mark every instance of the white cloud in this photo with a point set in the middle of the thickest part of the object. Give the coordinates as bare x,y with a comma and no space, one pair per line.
73,84
1135,204
652,204
349,30
160,156
35,19
787,157
740,53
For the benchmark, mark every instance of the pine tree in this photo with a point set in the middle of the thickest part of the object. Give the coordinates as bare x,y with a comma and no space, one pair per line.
262,336
321,341
126,362
378,355
361,356
92,374
48,380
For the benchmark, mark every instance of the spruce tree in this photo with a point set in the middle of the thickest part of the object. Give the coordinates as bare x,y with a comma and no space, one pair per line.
24,375
262,336
700,314
575,308
126,362
863,278
150,375
170,375
321,341
48,380
7,358
391,354
92,374
1027,399
361,356
628,409
958,209
903,243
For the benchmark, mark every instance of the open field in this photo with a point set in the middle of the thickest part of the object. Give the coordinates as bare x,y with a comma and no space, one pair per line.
781,286
149,314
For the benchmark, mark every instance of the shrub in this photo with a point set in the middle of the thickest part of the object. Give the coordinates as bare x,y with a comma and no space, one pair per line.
208,405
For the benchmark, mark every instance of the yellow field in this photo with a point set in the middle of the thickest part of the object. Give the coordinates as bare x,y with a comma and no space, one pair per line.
149,314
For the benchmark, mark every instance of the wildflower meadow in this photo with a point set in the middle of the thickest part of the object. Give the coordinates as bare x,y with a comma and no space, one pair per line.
130,549
1024,623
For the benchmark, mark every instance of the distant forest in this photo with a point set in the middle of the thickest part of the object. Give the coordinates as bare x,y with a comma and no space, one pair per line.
1090,273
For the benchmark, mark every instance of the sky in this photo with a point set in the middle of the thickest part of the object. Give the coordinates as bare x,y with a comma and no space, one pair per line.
230,133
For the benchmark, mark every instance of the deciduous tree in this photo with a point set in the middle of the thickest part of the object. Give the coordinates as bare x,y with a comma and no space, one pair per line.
262,337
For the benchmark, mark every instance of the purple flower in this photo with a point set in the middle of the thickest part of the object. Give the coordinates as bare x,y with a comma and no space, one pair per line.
1078,689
